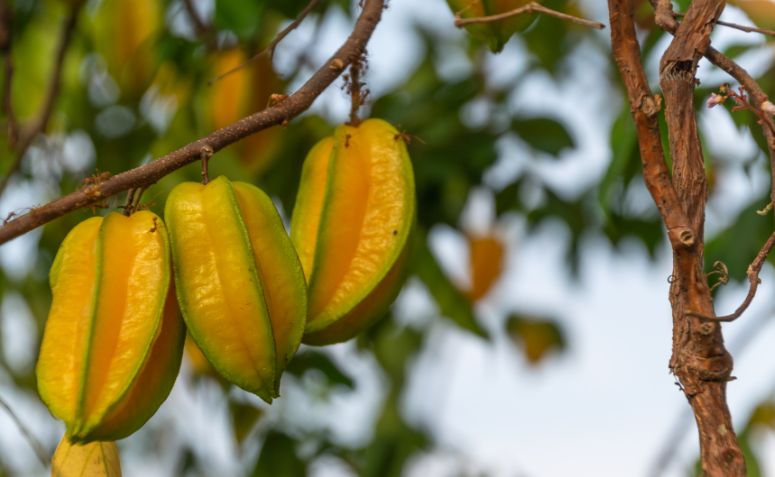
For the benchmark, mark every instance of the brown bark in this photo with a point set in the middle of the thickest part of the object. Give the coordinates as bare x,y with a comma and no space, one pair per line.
700,361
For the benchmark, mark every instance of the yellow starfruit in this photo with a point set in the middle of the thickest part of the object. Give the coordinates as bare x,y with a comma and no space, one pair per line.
113,341
351,226
93,459
239,282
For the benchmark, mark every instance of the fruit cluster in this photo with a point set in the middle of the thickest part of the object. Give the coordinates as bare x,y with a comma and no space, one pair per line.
126,288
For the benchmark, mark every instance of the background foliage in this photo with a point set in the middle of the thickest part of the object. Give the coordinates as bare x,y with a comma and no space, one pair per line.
136,85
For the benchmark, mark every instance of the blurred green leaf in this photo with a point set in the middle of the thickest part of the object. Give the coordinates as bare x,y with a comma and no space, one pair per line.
451,301
316,361
244,417
243,18
278,457
624,158
544,134
536,337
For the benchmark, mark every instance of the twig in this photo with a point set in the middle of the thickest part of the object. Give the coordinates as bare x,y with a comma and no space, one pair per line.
531,7
6,36
36,446
39,125
269,49
10,117
737,26
146,174
753,279
202,30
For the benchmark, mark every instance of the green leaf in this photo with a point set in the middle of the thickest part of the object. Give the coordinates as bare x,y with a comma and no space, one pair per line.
536,337
278,457
243,18
244,417
451,302
624,152
317,361
543,134
494,34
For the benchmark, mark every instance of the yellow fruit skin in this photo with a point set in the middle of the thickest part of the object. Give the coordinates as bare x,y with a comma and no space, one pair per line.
158,374
239,282
351,224
95,459
124,34
111,327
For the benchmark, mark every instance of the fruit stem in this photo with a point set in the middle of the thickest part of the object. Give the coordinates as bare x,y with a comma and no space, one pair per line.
357,96
205,154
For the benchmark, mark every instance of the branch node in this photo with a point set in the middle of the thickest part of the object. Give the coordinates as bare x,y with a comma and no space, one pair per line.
706,328
686,236
337,64
651,105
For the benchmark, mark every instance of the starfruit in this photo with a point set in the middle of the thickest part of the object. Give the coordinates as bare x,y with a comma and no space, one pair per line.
113,340
351,226
239,282
93,459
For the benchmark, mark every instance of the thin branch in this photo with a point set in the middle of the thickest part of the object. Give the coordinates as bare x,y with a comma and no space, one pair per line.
269,49
36,446
202,31
10,117
645,108
753,279
39,125
750,85
531,7
737,26
6,41
147,174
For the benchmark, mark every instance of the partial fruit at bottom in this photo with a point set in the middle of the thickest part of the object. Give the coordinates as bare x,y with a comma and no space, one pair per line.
113,341
240,285
351,225
94,459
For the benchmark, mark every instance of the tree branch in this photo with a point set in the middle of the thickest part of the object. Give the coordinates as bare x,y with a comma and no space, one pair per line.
149,173
531,7
27,135
751,86
269,49
737,26
645,107
699,358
